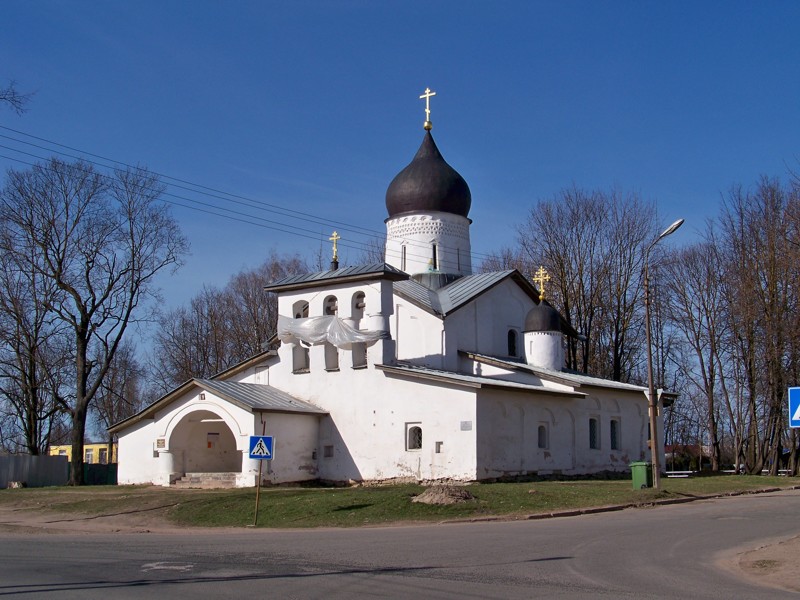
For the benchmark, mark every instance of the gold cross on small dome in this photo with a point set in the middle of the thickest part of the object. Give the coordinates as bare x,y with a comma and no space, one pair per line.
427,95
335,238
539,278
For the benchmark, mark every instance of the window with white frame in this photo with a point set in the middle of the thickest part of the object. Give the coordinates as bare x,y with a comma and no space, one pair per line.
413,436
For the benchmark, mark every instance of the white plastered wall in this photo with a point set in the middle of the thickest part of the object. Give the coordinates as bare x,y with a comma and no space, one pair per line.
508,433
419,336
161,449
368,431
482,325
295,438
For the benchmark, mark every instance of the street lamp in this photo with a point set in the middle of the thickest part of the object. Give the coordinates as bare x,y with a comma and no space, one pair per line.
654,453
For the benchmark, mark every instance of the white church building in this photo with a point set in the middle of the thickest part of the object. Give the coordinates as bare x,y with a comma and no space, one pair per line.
413,369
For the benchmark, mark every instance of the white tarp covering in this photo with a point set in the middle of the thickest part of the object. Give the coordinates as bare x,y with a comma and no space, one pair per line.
318,330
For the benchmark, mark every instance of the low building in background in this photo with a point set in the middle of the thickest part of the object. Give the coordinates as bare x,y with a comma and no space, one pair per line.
94,453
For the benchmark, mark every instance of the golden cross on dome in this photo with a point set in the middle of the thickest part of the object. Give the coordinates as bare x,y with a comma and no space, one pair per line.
539,278
335,238
427,95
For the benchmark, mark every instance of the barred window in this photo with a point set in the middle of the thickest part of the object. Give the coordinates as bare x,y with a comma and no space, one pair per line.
413,437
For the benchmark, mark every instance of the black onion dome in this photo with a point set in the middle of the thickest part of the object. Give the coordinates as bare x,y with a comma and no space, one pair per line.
543,317
428,183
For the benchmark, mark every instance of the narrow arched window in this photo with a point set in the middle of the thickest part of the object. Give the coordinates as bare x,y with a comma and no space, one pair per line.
300,357
300,309
331,306
359,303
542,436
413,437
512,342
594,435
614,434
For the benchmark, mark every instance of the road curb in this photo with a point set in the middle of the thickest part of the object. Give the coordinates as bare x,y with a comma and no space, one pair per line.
615,507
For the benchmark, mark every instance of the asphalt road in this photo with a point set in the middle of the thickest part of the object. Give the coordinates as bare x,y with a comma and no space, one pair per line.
665,552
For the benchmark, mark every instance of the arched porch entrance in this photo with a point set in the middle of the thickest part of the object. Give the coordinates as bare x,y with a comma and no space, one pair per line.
203,443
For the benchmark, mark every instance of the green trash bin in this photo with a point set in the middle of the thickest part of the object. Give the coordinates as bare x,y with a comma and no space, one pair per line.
642,475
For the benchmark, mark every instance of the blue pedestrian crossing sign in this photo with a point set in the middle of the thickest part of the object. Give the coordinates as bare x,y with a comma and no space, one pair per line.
794,407
261,447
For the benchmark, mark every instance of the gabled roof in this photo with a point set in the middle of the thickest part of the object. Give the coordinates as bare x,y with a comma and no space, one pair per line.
463,290
245,364
471,381
344,275
258,397
418,294
449,298
466,289
564,377
249,396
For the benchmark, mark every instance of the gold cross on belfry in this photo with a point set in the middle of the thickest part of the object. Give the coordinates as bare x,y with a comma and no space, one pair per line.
427,95
335,238
539,278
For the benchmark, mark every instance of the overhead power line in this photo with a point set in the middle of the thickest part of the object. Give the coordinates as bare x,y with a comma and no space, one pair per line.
373,237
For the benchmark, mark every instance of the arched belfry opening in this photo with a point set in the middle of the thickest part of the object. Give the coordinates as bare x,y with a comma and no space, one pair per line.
203,443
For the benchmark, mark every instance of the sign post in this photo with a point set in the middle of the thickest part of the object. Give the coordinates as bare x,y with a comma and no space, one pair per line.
794,407
260,449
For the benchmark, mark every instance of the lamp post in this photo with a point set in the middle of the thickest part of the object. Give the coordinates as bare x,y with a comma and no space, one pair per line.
654,453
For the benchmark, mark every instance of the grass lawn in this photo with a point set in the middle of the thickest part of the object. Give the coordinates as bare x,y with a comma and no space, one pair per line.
363,506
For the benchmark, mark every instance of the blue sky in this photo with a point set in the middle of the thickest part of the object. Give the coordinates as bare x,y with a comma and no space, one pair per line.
313,106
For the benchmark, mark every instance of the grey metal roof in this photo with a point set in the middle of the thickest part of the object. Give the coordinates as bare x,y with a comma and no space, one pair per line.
357,272
258,397
461,291
420,295
474,381
569,377
453,296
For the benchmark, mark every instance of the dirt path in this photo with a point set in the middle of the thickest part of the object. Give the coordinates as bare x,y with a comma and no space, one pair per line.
773,564
24,520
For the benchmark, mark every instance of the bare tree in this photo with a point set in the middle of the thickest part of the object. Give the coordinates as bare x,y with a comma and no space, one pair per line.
120,394
101,240
698,312
13,98
374,251
761,263
508,258
32,357
219,328
191,341
252,312
591,244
